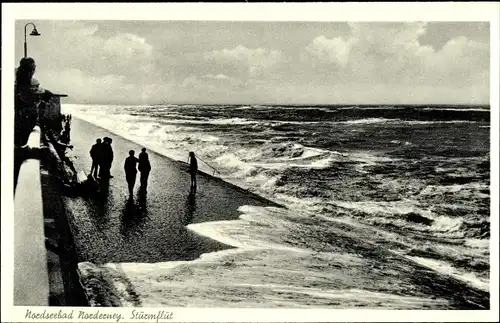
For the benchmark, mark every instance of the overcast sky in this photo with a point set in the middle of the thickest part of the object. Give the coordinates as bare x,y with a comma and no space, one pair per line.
150,62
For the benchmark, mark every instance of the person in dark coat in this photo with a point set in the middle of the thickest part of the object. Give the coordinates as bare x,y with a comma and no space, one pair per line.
103,159
193,169
144,168
107,158
65,137
131,171
67,131
95,154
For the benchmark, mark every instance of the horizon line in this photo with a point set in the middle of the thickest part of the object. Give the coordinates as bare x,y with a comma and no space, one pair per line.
290,104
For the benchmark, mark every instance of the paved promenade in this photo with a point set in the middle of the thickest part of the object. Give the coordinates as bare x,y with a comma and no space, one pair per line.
151,227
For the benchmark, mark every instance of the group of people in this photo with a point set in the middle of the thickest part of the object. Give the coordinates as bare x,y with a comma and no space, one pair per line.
66,117
132,164
102,158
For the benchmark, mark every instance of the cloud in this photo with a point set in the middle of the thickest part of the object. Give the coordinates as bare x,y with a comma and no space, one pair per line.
335,50
213,81
255,60
438,33
327,63
217,76
76,45
391,53
128,46
191,81
81,86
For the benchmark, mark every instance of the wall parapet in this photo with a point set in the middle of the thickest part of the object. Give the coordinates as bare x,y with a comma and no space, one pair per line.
31,284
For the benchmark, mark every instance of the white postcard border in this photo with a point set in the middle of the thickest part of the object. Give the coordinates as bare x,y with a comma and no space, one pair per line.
479,11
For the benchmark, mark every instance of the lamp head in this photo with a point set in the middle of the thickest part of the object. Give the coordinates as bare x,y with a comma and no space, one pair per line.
35,32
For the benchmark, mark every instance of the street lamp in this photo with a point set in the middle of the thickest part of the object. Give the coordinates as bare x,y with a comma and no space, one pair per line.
34,32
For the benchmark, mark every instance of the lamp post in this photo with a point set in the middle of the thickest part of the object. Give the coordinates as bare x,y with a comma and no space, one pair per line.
34,32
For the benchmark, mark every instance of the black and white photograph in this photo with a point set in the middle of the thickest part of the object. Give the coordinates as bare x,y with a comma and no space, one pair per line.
177,163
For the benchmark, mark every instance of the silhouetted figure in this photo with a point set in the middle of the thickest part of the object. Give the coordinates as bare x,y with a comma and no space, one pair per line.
107,158
144,168
28,95
193,168
61,147
67,131
131,171
65,137
95,154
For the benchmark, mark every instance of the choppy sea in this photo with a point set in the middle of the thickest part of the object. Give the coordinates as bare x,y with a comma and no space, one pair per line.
414,180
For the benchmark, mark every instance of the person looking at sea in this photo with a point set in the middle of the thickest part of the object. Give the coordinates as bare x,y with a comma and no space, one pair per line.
144,168
131,171
96,155
107,158
193,168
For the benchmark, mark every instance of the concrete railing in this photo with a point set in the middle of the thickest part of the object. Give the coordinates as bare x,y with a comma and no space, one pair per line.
31,280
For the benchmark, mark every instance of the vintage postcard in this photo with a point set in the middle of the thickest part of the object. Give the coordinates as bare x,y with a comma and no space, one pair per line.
250,162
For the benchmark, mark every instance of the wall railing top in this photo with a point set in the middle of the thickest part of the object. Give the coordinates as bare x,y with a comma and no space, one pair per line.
31,285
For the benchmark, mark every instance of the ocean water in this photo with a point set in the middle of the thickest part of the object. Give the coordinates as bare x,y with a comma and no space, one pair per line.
411,180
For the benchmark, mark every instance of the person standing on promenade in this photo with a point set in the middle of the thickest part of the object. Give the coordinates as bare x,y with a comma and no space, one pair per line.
110,155
144,168
67,131
107,158
193,168
131,171
103,159
95,154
